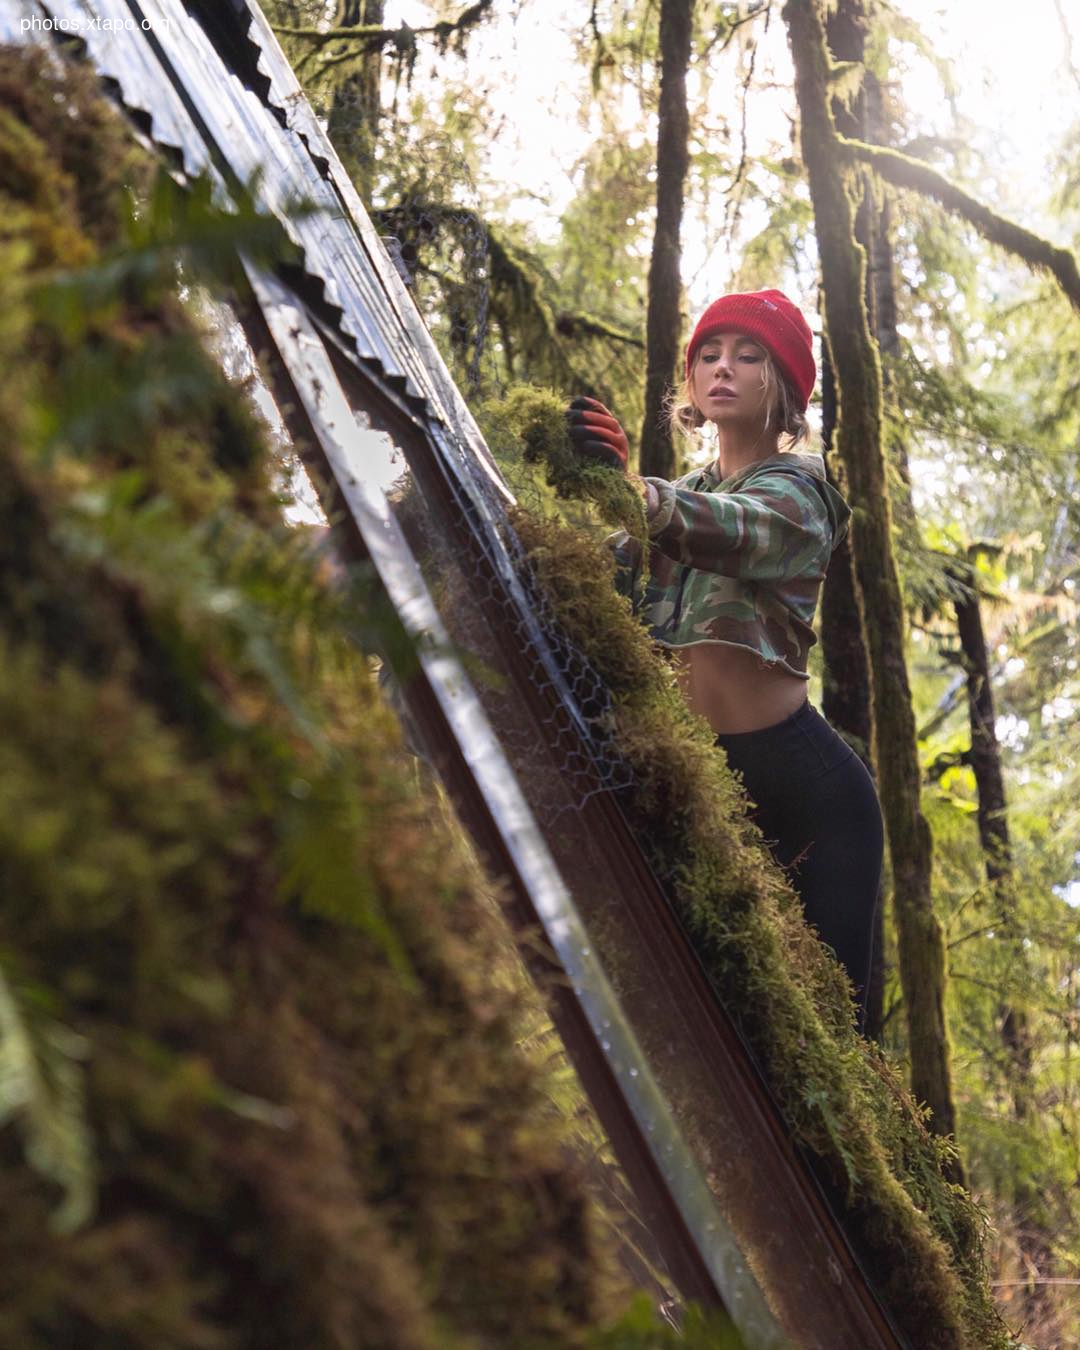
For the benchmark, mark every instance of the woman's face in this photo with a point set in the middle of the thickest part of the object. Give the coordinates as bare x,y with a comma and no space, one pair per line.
728,379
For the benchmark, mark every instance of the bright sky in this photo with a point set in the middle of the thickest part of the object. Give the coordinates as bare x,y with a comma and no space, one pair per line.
1016,89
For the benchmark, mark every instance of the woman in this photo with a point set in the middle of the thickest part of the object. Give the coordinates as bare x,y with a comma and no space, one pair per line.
737,555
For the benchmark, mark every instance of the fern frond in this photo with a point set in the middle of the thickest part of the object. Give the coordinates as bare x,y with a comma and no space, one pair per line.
43,1092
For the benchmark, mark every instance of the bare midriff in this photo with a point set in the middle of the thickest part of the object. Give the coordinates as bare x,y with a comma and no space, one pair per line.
733,689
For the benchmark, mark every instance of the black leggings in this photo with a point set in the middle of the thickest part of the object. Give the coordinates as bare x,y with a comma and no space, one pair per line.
818,810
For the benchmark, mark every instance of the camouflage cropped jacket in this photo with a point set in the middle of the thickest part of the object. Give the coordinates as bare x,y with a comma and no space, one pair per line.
738,561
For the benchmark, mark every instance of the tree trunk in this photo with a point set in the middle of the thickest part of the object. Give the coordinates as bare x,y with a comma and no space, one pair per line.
664,323
1034,1231
353,123
859,441
991,817
846,701
846,684
985,756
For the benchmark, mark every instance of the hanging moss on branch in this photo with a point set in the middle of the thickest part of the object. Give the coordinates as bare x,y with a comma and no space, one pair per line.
257,1086
509,286
921,1235
361,39
904,172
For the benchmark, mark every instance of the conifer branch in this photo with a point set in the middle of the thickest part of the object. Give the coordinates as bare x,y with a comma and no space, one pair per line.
727,27
372,37
574,325
511,272
904,172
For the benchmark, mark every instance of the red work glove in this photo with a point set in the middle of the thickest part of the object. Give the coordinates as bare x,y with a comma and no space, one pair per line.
596,434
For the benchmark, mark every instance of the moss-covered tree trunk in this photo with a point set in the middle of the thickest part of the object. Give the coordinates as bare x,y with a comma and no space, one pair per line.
846,683
846,697
882,248
663,325
353,124
845,686
859,441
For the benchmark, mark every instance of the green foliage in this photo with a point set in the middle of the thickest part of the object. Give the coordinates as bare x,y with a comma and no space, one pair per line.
921,1234
41,1086
614,201
778,247
642,1328
1012,947
326,48
501,304
256,1085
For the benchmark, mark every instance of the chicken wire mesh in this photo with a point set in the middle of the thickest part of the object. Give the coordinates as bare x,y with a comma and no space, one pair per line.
504,625
479,573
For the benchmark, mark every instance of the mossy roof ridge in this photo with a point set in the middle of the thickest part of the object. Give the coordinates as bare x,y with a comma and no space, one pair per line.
270,1094
921,1234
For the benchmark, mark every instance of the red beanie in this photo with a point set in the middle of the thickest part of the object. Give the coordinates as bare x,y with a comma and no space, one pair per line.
770,318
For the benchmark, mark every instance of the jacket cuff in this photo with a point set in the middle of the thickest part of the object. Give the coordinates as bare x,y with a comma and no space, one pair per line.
660,504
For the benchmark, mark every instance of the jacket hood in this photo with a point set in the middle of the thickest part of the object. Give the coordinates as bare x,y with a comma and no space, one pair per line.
800,465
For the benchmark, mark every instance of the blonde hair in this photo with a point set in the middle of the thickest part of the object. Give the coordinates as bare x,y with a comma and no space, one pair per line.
777,398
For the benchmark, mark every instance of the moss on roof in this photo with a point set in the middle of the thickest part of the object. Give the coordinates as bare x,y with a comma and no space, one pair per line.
257,1087
921,1235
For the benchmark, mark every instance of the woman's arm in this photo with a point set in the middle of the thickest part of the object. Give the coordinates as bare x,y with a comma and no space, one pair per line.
775,527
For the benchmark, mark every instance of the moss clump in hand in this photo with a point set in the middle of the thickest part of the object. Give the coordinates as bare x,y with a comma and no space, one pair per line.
530,424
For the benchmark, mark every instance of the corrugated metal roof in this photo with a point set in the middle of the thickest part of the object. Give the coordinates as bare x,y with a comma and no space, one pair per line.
167,70
238,126
286,95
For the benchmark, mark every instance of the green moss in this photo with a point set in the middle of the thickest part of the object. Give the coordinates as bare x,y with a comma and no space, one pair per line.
245,959
532,422
921,1235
